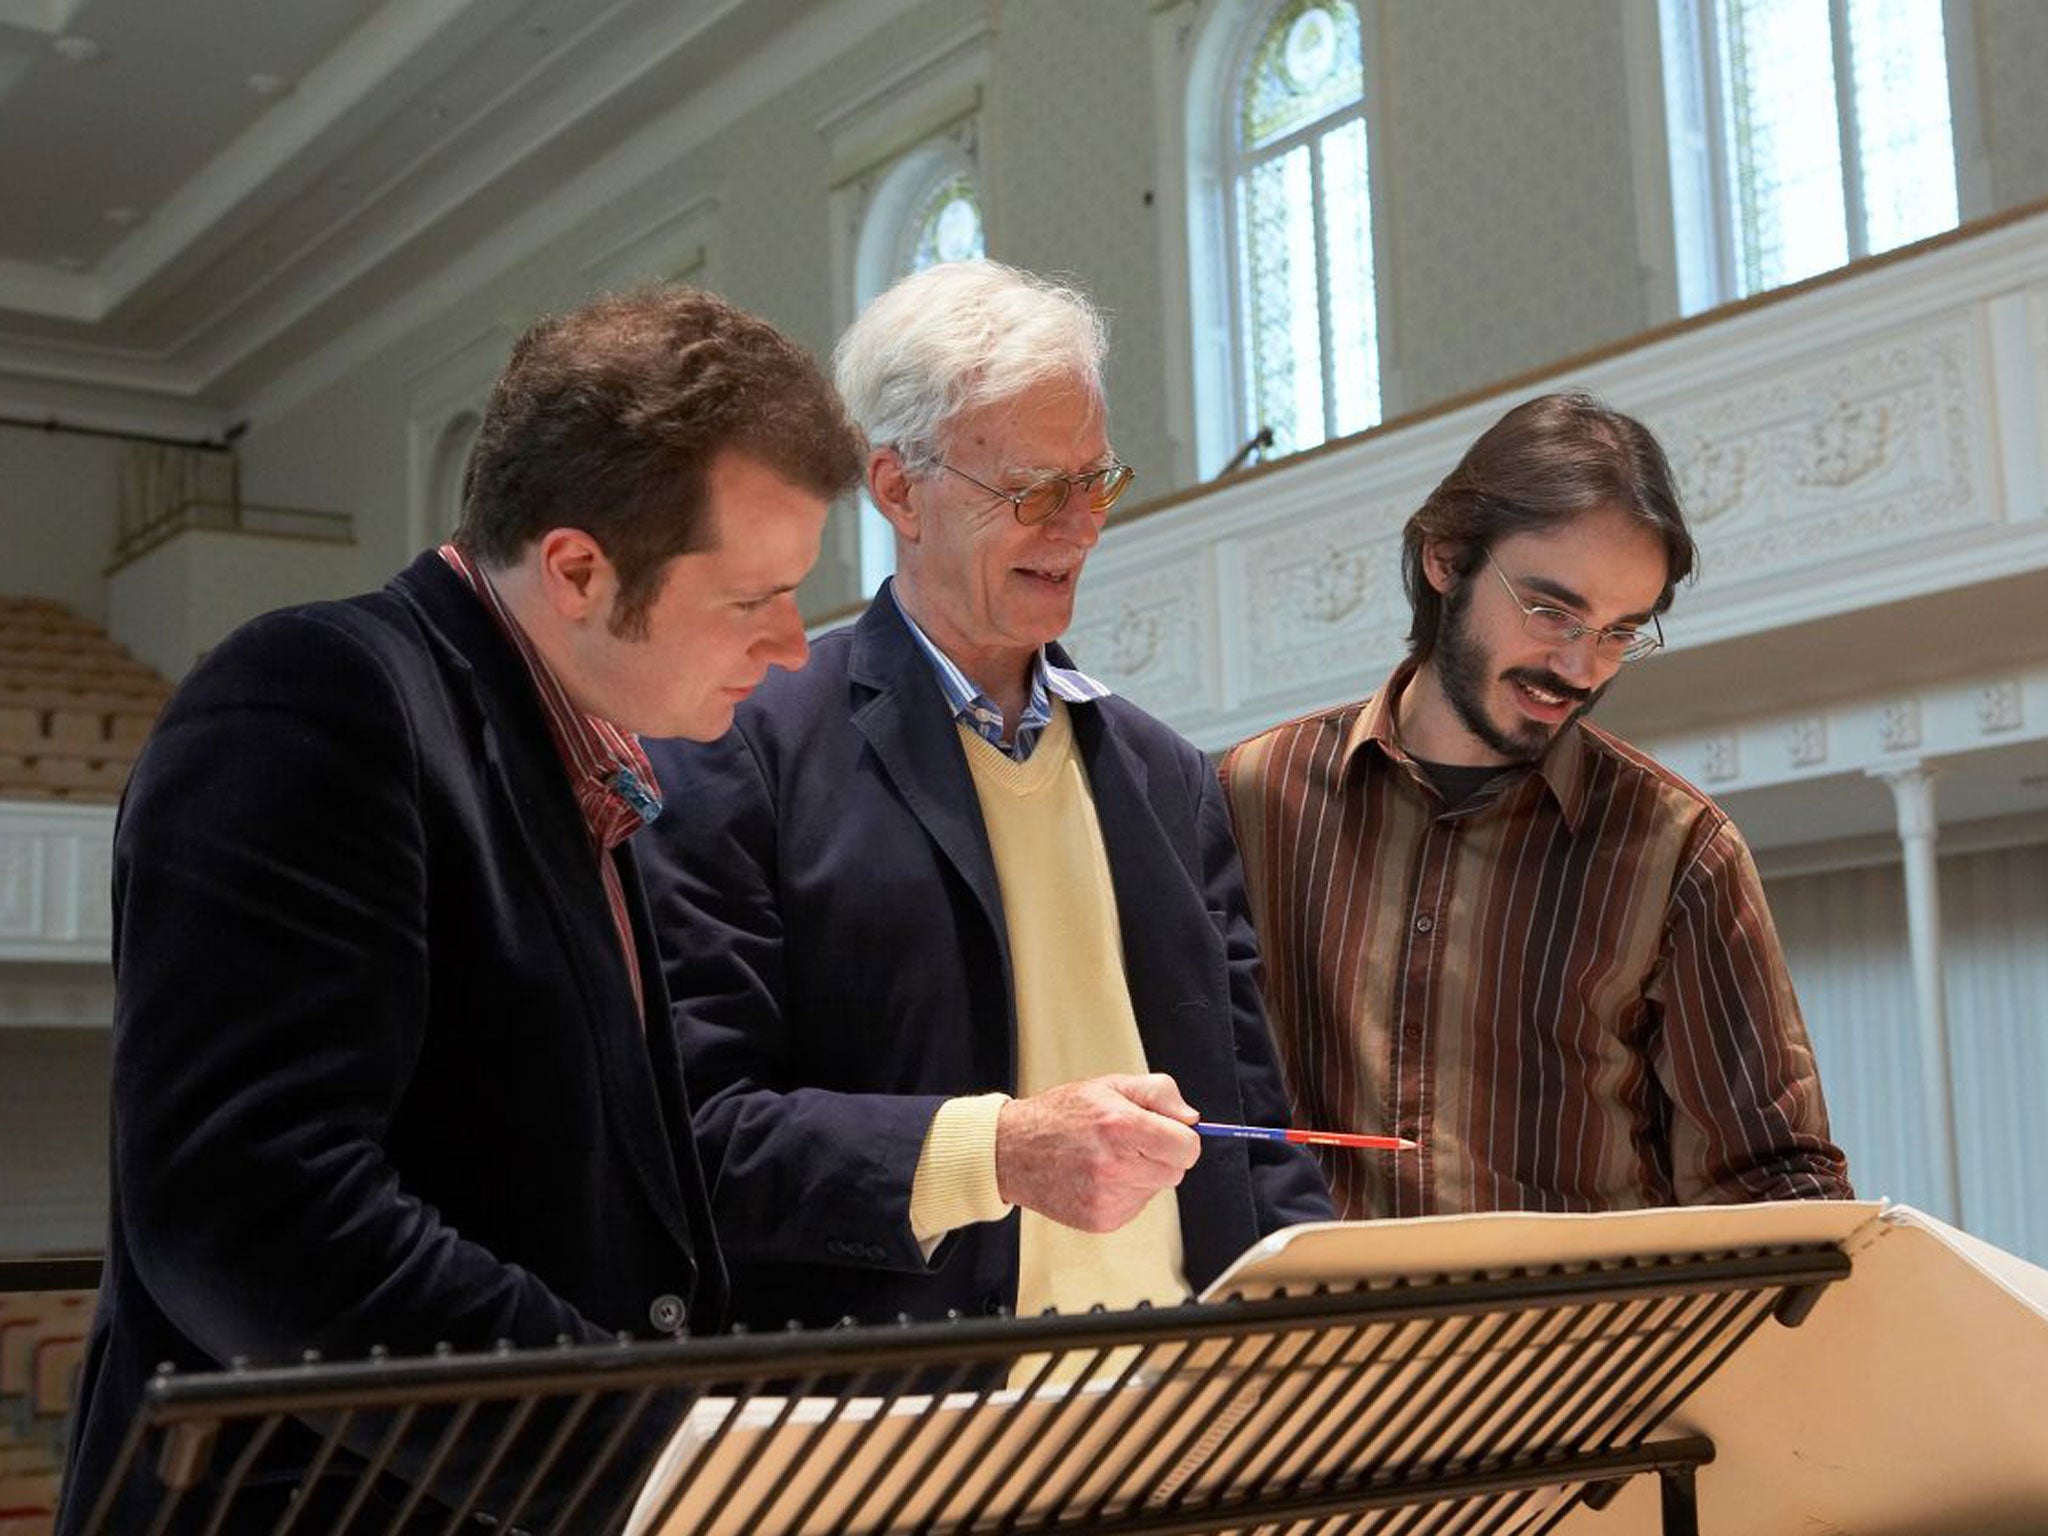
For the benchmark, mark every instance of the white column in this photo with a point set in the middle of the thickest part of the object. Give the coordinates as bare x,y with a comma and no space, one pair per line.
1912,786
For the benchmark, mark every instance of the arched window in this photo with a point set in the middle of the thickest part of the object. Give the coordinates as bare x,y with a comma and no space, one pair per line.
906,191
924,210
1804,134
449,476
445,413
1298,189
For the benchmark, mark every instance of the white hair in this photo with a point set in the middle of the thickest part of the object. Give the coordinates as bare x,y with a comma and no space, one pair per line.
956,337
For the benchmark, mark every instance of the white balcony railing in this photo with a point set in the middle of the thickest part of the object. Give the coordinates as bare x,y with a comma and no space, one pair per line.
55,861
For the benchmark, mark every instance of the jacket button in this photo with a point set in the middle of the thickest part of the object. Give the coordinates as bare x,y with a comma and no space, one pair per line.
667,1314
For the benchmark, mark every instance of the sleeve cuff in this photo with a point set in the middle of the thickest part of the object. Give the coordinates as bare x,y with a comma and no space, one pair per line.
955,1182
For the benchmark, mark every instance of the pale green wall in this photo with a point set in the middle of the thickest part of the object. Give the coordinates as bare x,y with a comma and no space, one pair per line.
59,500
1508,188
2012,81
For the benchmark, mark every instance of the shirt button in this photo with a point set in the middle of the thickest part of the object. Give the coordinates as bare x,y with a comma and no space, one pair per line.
667,1313
1424,923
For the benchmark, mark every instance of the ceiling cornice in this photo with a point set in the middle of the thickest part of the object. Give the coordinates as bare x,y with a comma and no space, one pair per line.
192,304
810,45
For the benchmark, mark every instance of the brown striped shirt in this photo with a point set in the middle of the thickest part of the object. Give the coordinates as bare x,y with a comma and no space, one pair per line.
1568,989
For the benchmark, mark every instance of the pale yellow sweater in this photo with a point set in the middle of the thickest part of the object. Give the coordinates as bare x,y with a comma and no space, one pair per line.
1074,1020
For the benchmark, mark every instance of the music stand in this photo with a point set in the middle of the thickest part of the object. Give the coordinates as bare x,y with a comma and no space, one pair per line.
1465,1377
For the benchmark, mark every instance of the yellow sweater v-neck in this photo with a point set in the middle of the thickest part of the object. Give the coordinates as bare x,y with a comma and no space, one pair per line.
1074,1020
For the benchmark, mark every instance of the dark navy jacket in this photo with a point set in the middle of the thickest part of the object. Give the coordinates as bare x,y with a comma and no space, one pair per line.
378,1074
834,936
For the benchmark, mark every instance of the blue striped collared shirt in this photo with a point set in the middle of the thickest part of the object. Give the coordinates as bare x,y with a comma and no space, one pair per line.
985,717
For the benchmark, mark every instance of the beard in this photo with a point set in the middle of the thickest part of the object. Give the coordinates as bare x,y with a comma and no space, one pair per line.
1464,671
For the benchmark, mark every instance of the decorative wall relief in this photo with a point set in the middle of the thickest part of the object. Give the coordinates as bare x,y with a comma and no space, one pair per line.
1899,725
1323,600
1715,477
1848,444
1331,591
1721,759
1874,449
1806,741
1998,707
1149,635
1133,642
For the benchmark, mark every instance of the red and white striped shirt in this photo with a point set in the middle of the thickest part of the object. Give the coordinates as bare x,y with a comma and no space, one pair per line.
613,781
1568,989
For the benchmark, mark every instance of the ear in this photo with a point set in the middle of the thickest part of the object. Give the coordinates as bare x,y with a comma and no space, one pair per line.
576,579
1440,563
889,488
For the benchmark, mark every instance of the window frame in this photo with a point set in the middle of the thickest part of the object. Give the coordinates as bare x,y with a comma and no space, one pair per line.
1236,165
930,100
1692,142
1199,50
883,250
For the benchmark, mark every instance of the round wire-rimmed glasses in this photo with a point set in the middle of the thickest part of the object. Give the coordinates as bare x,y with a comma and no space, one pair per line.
1554,626
1041,500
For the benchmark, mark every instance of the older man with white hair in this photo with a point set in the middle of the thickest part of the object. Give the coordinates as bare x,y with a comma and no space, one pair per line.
960,935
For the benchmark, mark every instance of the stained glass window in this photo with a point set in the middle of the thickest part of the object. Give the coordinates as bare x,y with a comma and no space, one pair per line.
1833,126
1307,65
945,225
1302,216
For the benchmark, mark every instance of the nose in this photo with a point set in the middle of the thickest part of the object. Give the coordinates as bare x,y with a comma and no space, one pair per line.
783,645
1077,522
1580,662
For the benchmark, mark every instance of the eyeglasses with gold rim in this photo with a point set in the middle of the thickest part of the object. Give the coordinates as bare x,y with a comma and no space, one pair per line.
1555,626
1041,500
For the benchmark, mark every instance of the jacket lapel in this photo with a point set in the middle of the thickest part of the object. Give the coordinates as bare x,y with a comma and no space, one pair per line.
521,765
1178,975
1173,958
905,721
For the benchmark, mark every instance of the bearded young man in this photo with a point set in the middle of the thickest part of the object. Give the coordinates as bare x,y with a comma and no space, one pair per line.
1492,927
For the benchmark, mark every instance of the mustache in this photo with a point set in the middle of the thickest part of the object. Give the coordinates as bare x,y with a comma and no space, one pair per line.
1550,682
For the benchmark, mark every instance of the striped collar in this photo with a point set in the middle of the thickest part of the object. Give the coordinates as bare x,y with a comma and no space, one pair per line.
614,784
984,716
1562,767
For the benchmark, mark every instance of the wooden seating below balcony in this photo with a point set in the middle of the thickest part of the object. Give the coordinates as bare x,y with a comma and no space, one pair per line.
74,705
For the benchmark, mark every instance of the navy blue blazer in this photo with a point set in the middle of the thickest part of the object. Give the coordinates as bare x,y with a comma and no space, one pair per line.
834,938
378,1073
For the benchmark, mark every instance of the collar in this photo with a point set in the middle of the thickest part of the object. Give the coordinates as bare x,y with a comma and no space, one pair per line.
1562,767
1049,681
614,783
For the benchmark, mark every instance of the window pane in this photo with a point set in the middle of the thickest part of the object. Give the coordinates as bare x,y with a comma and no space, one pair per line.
1354,323
1283,352
1307,65
1900,66
1784,141
947,225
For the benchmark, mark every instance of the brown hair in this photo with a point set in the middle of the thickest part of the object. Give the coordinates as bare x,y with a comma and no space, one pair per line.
1545,462
608,419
